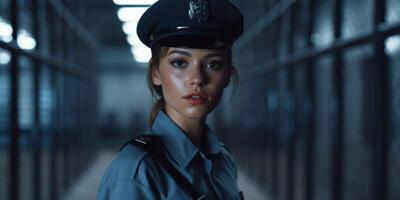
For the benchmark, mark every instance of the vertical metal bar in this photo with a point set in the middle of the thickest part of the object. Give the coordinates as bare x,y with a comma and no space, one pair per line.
274,137
14,117
310,127
337,153
59,116
299,127
381,105
37,138
57,129
310,133
67,100
269,136
81,125
292,140
277,128
65,136
271,132
75,129
282,79
77,122
53,175
280,131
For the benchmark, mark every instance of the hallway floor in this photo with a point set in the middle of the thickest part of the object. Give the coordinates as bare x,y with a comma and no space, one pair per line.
86,186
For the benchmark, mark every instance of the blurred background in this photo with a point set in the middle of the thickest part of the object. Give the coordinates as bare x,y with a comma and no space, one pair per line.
316,115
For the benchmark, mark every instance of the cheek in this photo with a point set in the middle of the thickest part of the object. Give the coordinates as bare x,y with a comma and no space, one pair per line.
218,85
172,83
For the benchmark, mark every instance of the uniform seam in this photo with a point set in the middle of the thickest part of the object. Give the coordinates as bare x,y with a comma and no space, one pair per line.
128,180
135,168
139,163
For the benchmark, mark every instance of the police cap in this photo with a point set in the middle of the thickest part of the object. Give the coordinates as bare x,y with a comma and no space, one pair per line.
191,23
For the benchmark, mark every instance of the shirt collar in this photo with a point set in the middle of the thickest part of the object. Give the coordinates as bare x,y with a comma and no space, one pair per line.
178,144
211,144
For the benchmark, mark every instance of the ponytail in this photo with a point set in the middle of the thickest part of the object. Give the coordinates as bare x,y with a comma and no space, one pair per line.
156,91
157,106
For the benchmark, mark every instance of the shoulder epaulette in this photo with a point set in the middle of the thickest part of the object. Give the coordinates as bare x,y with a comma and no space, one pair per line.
143,141
154,146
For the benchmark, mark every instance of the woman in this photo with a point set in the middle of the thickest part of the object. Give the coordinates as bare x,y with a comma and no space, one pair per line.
191,64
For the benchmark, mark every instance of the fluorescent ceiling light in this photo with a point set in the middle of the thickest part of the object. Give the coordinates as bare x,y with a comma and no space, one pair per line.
141,54
131,13
129,28
5,29
392,45
25,40
5,57
134,2
134,40
6,38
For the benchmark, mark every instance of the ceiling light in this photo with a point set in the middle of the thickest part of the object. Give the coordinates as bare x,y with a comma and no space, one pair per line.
134,40
392,44
6,38
134,2
129,28
141,54
131,13
25,40
5,57
5,31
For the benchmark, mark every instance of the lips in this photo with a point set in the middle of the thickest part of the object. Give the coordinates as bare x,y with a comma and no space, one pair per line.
196,98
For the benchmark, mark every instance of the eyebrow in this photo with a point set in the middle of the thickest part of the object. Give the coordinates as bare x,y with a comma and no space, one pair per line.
190,55
215,55
180,52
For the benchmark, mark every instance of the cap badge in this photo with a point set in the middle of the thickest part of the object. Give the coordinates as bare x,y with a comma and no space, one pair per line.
198,10
218,43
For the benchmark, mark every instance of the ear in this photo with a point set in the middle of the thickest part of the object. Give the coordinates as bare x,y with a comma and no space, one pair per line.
155,76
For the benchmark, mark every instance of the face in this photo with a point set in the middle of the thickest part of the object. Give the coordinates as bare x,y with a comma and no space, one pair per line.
192,80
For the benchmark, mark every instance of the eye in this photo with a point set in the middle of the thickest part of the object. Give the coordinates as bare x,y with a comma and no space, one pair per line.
178,63
215,65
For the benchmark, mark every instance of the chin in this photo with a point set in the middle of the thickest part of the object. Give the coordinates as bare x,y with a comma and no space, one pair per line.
196,112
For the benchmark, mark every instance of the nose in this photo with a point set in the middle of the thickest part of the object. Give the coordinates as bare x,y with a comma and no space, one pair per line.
197,75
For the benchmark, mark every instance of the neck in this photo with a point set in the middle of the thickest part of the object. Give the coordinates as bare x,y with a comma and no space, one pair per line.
192,127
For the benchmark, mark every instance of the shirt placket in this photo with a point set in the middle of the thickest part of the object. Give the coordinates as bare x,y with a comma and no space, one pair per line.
208,168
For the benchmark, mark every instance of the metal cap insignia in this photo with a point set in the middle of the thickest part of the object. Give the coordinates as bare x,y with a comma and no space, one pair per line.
198,10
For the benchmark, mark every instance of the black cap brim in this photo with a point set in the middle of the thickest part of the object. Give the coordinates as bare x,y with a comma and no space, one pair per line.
192,40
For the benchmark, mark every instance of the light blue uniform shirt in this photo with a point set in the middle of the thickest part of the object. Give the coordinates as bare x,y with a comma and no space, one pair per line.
135,175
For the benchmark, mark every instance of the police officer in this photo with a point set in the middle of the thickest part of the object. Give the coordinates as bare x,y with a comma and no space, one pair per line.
179,157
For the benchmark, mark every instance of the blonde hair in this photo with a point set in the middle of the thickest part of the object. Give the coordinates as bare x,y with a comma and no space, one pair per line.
156,91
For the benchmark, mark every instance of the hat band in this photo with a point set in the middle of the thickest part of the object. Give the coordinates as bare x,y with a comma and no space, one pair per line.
218,35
